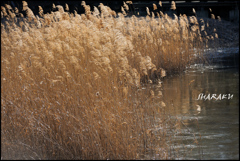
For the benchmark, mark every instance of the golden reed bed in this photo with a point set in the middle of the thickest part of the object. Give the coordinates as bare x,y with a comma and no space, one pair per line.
71,85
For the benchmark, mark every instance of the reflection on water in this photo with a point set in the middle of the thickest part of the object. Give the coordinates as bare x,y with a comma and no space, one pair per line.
213,132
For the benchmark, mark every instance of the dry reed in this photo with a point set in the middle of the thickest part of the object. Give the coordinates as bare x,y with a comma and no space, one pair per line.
71,84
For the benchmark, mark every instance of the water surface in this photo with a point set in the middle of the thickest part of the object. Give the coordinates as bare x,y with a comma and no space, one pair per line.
213,132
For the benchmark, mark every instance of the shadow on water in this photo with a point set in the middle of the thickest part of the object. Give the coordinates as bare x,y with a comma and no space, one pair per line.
211,132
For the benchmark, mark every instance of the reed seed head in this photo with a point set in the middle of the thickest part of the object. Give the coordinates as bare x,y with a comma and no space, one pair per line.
160,3
173,5
147,9
66,7
154,6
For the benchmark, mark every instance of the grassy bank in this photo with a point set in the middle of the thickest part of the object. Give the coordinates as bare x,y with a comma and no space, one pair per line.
71,85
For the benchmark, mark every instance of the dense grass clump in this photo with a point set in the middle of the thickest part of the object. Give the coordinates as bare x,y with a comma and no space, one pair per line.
71,84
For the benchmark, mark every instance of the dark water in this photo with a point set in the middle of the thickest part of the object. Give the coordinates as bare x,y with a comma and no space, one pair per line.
213,132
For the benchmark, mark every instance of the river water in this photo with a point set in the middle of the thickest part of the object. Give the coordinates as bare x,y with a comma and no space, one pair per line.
213,131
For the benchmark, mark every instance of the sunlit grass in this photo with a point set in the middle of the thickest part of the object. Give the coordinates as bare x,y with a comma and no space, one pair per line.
71,84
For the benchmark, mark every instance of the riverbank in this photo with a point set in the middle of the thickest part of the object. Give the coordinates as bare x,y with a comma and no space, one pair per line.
227,33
